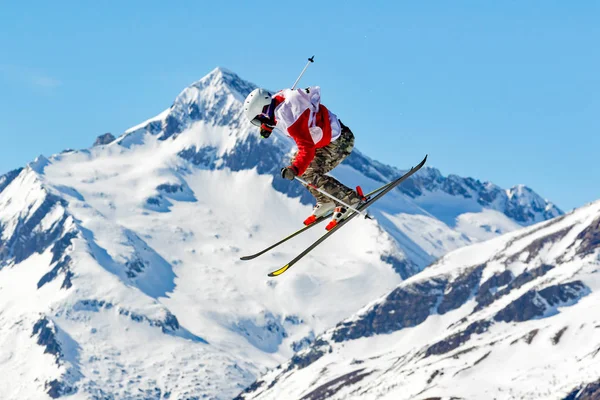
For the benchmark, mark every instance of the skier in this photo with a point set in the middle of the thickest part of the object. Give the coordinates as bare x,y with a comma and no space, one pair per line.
323,143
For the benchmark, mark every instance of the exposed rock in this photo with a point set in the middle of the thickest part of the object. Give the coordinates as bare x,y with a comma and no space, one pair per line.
535,303
448,398
26,240
330,388
204,157
252,388
46,333
432,376
170,188
404,307
293,319
402,266
590,391
454,185
521,279
107,138
527,338
534,248
526,307
301,344
56,389
168,324
251,153
154,201
371,168
556,338
62,267
528,276
92,305
454,341
487,196
134,268
309,356
486,355
486,294
590,239
460,290
408,306
7,178
173,126
58,250
568,292
524,204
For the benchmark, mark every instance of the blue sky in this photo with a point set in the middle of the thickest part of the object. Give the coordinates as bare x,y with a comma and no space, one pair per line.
505,91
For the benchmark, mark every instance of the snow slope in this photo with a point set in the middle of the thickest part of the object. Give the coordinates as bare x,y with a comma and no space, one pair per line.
515,317
119,264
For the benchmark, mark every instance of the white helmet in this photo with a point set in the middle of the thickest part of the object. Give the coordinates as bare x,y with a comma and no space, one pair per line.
255,102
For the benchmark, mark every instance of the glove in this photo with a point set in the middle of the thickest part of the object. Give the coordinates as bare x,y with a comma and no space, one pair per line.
289,172
265,131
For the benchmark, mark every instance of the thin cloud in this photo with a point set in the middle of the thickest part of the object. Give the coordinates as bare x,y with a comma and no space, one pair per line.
29,76
46,82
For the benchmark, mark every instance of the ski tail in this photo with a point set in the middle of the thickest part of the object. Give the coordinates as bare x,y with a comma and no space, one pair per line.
285,239
279,271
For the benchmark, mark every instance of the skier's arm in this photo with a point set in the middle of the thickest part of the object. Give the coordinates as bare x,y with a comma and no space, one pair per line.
306,153
306,146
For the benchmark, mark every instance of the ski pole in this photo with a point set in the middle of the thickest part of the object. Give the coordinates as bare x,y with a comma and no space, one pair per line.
310,60
363,213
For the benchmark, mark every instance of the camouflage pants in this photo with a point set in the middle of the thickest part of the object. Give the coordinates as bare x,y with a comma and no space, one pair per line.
326,159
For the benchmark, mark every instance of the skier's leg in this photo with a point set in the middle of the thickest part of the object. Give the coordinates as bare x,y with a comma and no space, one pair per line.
316,168
326,159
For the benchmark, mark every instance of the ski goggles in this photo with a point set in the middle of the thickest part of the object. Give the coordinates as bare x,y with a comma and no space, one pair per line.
258,120
267,116
261,118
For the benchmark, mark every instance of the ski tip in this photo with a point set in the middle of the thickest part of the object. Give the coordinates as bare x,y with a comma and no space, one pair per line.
246,258
279,271
418,166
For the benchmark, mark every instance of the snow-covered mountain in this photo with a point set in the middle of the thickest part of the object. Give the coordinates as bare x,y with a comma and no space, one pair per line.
119,264
515,317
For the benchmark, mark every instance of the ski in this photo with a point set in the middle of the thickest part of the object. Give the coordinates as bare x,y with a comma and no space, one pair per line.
381,193
305,228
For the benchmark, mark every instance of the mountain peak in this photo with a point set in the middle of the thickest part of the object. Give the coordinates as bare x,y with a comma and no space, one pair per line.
220,73
216,98
39,164
223,79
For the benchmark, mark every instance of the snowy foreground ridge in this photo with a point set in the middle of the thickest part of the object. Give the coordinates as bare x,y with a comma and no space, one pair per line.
516,317
120,275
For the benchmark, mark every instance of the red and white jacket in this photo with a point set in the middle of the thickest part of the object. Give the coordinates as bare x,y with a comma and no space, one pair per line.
312,126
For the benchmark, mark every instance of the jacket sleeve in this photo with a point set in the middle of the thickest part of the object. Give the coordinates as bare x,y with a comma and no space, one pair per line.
306,147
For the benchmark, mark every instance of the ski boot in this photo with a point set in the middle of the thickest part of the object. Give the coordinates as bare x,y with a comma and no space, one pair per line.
341,212
319,210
